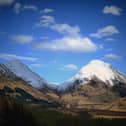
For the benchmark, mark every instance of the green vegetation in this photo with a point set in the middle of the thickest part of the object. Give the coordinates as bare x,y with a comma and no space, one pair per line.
15,113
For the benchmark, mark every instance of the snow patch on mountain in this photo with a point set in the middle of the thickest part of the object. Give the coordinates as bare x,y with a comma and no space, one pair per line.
101,70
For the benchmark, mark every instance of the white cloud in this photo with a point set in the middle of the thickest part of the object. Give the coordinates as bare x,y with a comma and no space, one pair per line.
72,40
30,7
22,39
69,67
105,32
112,10
112,56
110,39
66,29
45,21
70,44
13,57
49,22
6,2
37,65
46,10
17,8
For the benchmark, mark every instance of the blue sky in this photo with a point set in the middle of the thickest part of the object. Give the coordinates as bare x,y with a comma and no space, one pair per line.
57,38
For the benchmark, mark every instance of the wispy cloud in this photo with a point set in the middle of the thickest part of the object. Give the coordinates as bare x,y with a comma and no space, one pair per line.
46,10
17,8
37,65
3,33
72,40
112,10
22,39
49,22
110,39
105,32
6,2
69,67
30,7
112,56
7,56
66,29
45,21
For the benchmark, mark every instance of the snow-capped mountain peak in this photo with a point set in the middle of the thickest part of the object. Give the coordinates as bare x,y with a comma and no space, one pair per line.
101,70
95,69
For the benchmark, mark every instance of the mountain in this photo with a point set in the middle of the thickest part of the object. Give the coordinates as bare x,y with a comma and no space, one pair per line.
102,71
96,69
95,84
16,87
26,74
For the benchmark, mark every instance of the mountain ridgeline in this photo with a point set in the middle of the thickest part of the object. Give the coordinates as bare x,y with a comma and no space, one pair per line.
96,84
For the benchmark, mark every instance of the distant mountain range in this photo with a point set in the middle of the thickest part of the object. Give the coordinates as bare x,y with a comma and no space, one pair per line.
96,83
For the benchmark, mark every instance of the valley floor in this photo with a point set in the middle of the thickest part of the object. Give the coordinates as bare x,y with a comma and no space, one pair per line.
18,114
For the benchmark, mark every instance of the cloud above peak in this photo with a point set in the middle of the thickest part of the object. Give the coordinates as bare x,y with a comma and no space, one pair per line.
113,10
112,56
69,67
